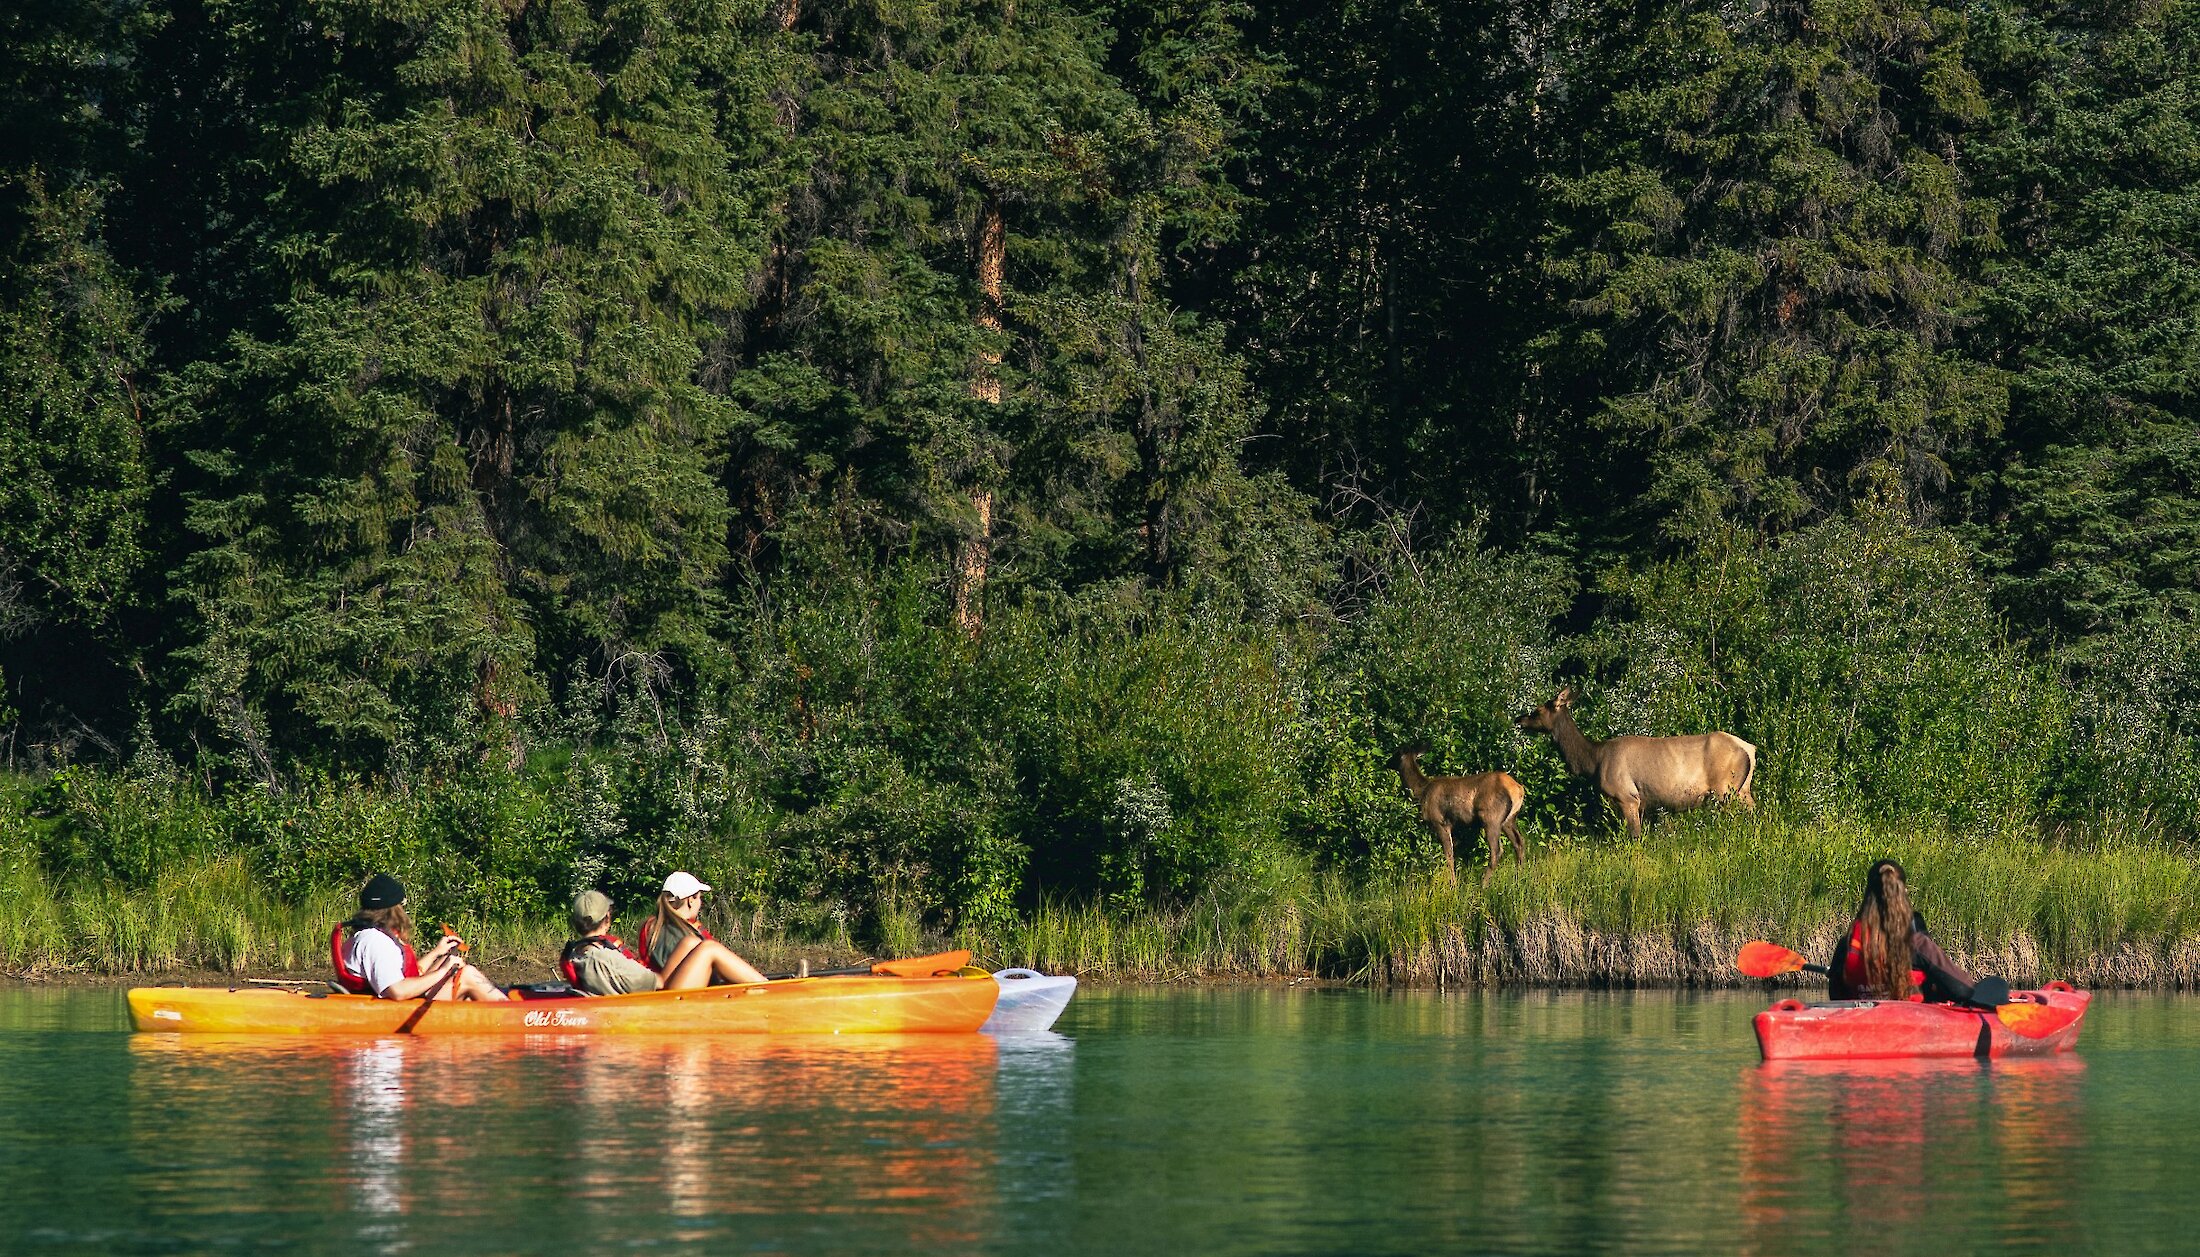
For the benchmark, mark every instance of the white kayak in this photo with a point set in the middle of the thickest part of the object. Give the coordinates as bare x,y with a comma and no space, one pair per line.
1029,1003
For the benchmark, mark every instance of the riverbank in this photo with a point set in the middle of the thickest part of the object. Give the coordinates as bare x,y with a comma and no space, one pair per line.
1670,910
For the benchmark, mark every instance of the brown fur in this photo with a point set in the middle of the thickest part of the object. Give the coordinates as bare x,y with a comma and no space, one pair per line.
1491,800
1640,774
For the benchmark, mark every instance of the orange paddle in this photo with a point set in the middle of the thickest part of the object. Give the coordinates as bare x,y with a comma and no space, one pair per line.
2034,1021
922,966
2024,1018
1770,960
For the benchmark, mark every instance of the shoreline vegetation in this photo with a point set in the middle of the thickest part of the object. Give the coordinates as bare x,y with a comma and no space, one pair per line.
1669,911
942,474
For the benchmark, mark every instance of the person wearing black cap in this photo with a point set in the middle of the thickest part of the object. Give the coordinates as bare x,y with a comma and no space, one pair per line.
378,959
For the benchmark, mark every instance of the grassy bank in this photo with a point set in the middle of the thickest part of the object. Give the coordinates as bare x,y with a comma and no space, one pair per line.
1670,910
1673,909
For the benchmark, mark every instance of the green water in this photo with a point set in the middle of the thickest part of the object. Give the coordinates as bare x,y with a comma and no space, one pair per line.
1170,1121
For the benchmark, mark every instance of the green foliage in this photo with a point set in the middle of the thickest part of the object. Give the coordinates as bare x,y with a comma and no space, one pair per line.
2086,509
73,474
1452,645
1762,253
2136,760
942,469
1863,659
496,246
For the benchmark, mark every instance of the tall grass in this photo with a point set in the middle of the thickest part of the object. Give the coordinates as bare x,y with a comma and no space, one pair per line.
1673,909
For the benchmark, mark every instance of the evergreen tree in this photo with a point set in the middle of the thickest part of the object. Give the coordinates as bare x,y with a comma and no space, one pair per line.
74,474
966,328
2089,507
1762,261
1384,288
467,434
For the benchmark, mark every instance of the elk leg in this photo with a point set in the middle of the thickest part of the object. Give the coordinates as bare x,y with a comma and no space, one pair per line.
1520,844
1443,835
1630,811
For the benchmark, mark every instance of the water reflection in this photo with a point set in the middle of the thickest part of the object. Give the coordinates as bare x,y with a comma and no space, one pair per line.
699,1130
1907,1144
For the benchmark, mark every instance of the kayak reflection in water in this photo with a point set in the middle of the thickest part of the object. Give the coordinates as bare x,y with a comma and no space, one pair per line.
378,958
1888,955
676,945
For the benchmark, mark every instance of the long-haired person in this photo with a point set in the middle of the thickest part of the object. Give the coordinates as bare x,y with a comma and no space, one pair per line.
1887,954
374,953
676,945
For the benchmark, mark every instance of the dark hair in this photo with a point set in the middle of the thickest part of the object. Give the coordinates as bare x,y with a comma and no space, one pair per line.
1886,914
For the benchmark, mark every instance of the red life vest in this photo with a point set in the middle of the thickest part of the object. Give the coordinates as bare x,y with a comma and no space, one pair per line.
1852,965
649,927
352,982
569,962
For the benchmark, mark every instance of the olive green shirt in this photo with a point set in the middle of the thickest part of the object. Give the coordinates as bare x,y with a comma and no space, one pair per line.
606,971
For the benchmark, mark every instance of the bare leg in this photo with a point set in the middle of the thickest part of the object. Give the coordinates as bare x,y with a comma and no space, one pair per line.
710,959
471,983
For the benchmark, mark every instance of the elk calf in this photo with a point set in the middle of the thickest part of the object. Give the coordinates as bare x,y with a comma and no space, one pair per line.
1489,799
1639,774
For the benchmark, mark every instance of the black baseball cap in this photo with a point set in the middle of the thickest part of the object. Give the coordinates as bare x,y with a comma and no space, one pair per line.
381,891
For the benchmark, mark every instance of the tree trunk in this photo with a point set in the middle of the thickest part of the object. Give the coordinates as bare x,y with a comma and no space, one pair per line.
974,553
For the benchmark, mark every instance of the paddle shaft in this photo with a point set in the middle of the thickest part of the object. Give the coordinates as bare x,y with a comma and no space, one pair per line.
433,991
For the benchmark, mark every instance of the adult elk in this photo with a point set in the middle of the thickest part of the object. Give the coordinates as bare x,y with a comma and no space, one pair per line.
1489,799
1638,774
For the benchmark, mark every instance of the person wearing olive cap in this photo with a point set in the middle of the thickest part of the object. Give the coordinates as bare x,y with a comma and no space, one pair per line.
676,945
378,958
596,961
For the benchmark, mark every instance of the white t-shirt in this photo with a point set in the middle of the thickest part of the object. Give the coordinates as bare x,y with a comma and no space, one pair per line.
376,957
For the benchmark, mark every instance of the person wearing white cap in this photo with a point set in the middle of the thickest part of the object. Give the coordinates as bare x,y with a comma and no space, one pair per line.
675,944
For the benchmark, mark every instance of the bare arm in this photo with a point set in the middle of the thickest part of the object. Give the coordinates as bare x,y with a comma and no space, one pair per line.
433,966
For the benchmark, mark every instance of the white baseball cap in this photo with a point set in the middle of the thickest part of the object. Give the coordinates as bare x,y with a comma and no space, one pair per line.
681,885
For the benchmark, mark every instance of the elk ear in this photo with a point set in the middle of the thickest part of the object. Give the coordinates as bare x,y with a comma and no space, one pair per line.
1565,699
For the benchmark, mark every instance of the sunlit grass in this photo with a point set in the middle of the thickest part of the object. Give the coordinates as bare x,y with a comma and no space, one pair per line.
1673,908
1670,909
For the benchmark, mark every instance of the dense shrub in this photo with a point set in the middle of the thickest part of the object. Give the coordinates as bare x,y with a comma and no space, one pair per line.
1449,649
1863,660
2134,759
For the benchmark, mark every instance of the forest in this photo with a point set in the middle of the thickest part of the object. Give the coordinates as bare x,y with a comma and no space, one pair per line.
1019,469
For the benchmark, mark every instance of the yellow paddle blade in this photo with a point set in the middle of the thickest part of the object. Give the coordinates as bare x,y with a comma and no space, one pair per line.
2034,1021
1768,960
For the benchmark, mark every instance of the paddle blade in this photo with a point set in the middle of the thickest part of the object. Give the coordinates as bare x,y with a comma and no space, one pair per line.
1768,960
2035,1021
922,966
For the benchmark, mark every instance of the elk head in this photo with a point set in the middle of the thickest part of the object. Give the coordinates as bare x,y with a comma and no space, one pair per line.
1544,719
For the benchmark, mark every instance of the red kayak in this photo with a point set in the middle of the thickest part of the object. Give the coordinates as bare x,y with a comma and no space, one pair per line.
1878,1029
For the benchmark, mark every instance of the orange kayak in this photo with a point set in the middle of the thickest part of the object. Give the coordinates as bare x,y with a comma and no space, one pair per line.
837,1005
